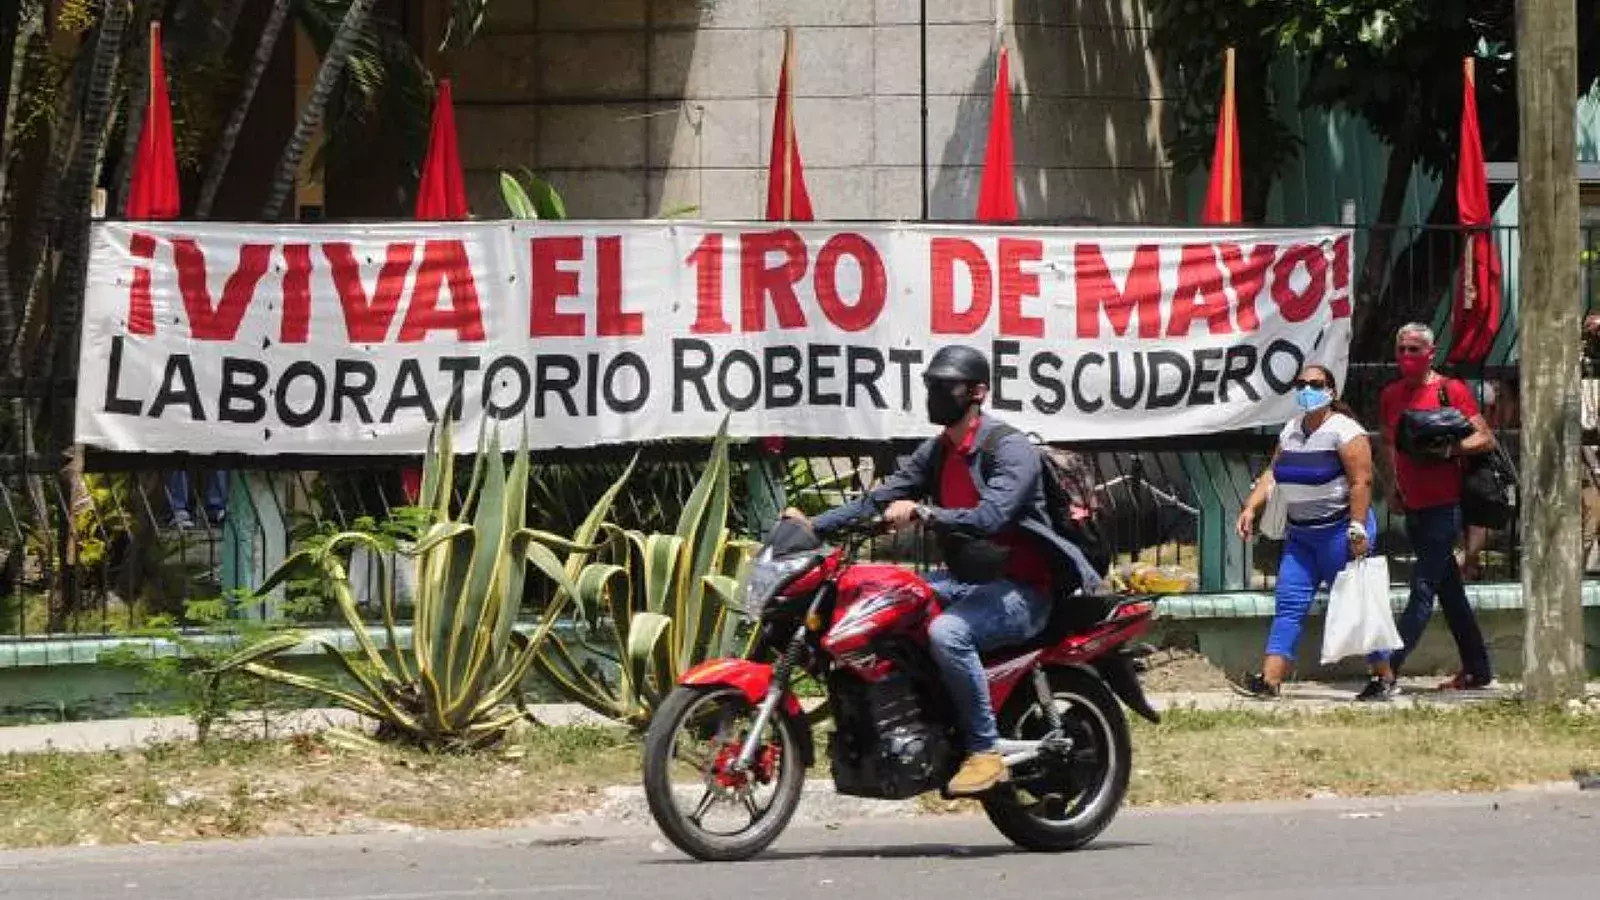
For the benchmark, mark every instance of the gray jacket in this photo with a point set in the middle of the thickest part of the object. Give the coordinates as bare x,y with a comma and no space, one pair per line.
1012,496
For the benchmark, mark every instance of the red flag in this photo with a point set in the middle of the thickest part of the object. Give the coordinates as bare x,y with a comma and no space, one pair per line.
1476,315
787,198
153,186
997,195
1223,202
441,196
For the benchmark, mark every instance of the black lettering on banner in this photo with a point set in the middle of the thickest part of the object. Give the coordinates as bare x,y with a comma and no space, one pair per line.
905,359
178,365
591,387
725,392
400,398
683,372
866,380
1238,366
1083,403
117,405
1276,351
788,378
240,399
545,365
356,393
287,414
635,362
519,402
1200,392
1160,399
458,367
1048,383
1004,371
821,370
1117,398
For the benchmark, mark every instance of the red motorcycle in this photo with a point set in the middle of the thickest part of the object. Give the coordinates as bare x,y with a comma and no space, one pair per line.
726,752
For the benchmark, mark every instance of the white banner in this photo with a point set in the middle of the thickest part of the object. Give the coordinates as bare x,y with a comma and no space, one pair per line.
353,339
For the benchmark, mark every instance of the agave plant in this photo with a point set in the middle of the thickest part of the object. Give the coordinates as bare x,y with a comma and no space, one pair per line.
450,687
662,600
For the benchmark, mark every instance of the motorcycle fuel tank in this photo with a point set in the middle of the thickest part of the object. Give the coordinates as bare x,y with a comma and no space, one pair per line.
874,601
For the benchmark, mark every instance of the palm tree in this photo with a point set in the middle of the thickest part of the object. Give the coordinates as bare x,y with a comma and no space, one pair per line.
241,108
333,64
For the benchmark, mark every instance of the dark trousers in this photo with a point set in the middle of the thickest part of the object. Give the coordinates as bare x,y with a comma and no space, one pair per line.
1433,533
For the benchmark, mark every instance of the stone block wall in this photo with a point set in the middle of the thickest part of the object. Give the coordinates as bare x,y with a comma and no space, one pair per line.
636,107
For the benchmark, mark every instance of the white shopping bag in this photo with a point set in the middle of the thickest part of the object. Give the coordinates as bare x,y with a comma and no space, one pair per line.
1360,620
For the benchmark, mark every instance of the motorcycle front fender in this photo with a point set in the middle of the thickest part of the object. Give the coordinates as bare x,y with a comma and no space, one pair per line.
752,679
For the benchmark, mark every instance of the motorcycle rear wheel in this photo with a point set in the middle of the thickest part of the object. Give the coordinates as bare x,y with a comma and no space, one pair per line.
1058,804
684,722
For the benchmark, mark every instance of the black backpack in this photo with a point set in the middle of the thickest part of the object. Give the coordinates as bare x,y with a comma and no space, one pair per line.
1069,492
1488,483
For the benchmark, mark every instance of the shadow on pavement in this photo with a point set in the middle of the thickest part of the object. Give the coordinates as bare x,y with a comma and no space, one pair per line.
906,851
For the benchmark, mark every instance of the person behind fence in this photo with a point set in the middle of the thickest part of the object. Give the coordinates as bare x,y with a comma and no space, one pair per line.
985,482
1323,466
1430,423
1502,410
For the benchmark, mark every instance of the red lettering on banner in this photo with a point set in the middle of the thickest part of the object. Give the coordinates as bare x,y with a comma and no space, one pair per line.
758,280
219,322
1341,278
367,322
443,263
141,312
296,294
874,282
551,283
613,322
1248,275
707,261
1016,284
1199,293
1097,291
943,254
1299,306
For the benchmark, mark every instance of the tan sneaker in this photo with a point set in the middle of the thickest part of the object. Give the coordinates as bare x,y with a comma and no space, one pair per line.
980,772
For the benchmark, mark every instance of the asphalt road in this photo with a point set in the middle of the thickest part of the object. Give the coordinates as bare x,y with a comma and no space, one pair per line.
1508,846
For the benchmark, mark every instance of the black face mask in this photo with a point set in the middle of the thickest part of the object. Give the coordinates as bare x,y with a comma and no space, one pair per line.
947,402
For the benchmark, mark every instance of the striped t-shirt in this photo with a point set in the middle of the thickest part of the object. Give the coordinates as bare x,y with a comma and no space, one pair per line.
1309,471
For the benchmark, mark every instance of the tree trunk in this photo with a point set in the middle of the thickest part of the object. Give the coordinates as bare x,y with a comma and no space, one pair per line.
241,109
29,23
311,117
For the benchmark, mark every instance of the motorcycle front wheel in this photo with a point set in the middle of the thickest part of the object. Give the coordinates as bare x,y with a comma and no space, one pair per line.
707,807
1063,800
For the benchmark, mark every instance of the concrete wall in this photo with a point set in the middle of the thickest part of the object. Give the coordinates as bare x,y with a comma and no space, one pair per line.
635,107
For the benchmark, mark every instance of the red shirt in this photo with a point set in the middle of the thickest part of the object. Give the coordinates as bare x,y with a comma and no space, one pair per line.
1027,563
1424,483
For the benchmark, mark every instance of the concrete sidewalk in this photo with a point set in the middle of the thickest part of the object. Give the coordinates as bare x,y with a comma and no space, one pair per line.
115,734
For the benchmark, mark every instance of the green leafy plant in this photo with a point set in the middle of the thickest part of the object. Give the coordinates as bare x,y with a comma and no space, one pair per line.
450,687
531,197
661,601
185,681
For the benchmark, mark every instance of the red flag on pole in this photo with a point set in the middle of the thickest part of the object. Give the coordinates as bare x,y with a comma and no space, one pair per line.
1223,194
441,196
787,199
1476,315
153,186
997,195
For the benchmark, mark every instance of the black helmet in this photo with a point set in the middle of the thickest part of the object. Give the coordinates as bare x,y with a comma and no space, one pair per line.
957,363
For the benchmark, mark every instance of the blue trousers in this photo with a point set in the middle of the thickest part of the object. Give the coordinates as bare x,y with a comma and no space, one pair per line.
978,618
1433,534
1312,557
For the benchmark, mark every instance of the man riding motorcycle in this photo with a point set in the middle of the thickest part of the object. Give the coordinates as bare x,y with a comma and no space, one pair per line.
1006,564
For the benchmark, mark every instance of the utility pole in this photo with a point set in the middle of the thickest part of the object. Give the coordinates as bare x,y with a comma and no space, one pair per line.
1547,81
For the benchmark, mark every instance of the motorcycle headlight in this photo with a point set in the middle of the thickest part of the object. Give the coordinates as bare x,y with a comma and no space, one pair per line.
766,577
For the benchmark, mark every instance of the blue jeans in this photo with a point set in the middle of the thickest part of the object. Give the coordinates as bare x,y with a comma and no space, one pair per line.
1312,557
978,618
1433,533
